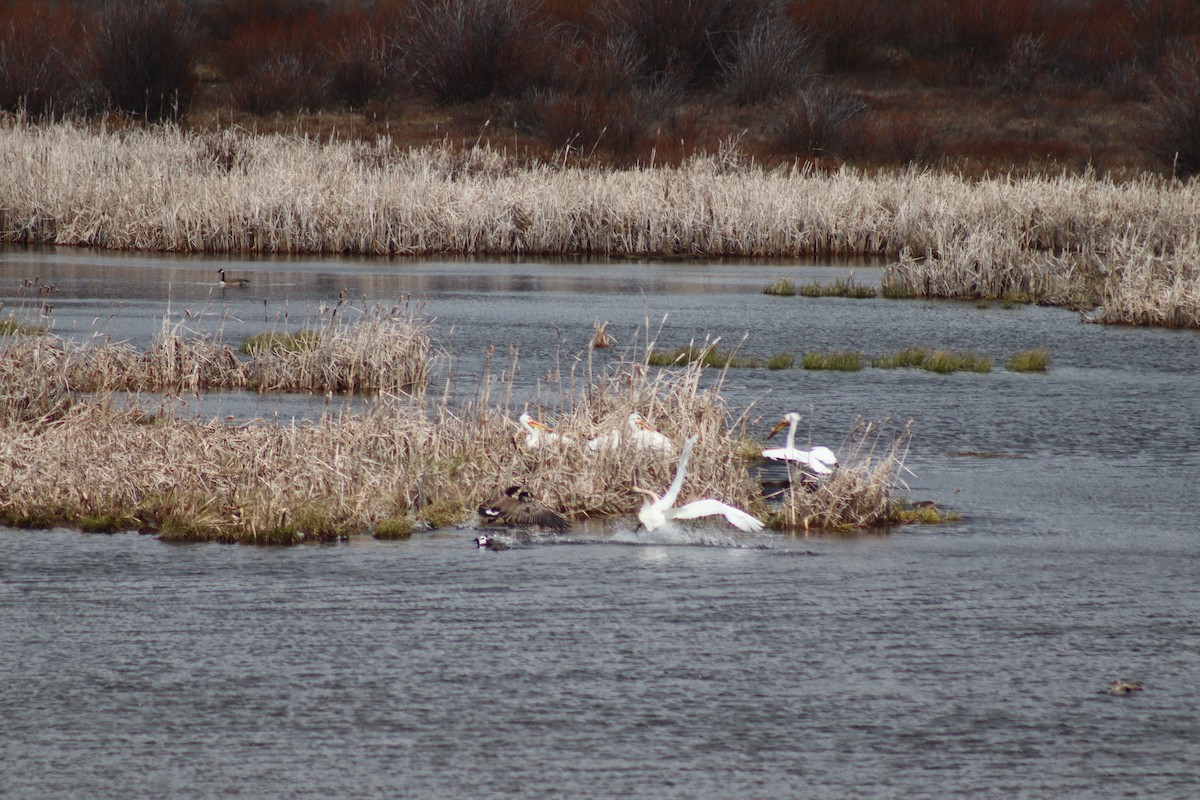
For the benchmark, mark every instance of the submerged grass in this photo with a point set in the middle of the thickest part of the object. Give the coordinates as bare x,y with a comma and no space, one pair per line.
707,356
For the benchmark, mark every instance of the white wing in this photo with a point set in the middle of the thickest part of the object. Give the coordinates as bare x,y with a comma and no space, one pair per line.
709,507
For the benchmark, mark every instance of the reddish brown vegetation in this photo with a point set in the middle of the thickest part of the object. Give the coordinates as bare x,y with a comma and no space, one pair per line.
992,84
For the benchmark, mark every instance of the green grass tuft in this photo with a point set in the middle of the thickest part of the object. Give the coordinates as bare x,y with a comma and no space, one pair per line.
10,326
947,361
839,288
706,356
1029,361
845,361
102,523
898,291
909,357
781,360
781,288
393,528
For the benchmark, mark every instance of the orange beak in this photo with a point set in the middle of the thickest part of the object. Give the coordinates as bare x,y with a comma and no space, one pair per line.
533,423
782,424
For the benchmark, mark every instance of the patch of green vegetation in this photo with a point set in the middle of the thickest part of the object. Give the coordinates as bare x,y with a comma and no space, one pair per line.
898,291
10,326
839,288
31,519
101,523
273,342
1028,361
443,513
781,360
175,528
982,304
923,514
706,356
947,361
393,528
844,361
781,288
908,357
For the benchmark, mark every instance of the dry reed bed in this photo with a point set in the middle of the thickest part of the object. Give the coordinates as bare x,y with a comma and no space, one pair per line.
1062,240
98,464
1065,239
385,351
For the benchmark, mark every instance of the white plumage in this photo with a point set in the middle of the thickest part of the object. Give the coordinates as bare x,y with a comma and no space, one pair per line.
658,511
538,434
641,435
819,460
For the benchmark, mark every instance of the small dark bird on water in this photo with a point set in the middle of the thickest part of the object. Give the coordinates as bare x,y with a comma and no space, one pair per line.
223,281
518,508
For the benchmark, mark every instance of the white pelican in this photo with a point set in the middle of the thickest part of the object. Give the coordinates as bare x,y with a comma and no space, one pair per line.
820,460
658,511
223,281
516,506
641,434
537,434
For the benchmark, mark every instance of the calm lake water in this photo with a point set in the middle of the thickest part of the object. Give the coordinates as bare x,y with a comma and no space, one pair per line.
967,660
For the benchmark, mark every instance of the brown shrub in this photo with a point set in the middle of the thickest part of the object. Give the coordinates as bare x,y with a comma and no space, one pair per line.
38,63
142,53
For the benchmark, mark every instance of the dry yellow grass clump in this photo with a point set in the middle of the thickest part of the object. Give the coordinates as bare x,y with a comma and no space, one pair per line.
1077,240
380,351
103,464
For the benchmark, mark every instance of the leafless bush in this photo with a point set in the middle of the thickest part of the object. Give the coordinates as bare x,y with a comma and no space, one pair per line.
38,63
676,41
1025,64
459,50
281,81
814,119
771,59
143,53
1173,126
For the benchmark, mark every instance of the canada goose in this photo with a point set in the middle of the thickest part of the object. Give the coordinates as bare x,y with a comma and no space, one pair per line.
517,507
657,511
223,281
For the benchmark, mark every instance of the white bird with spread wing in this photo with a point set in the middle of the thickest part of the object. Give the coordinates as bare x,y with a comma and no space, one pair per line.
819,460
658,511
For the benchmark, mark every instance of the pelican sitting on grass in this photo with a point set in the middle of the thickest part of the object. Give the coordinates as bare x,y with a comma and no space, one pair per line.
819,460
223,281
641,434
538,434
658,511
517,507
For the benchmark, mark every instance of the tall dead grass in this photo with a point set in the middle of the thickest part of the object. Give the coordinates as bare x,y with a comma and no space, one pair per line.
92,461
379,351
861,493
1073,240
